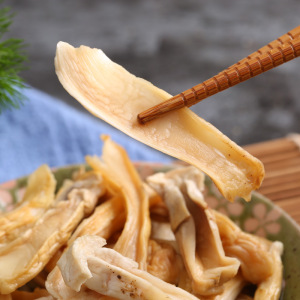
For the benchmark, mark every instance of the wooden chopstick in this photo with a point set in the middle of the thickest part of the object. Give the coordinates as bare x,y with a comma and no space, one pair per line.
268,57
287,37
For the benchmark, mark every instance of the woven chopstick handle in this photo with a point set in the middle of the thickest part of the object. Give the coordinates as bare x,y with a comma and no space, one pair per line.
289,36
268,57
239,73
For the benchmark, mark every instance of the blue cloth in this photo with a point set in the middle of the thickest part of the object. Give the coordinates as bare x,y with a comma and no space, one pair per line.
48,131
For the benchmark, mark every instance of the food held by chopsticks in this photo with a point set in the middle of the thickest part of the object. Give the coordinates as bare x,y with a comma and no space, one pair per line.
103,237
108,234
113,94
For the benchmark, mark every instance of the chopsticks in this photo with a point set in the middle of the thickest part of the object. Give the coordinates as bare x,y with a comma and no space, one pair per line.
279,51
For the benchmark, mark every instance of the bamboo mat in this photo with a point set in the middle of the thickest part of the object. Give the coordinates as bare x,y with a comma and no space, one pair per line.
281,158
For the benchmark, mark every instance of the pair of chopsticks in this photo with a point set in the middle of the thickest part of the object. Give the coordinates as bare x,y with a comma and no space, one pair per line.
279,51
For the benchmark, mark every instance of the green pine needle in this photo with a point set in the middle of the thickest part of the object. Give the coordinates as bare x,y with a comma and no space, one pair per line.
12,60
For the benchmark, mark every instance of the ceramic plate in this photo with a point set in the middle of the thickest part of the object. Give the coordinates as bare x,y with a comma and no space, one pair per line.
260,216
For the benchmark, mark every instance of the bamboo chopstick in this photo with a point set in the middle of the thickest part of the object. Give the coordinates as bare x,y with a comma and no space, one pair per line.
287,37
268,57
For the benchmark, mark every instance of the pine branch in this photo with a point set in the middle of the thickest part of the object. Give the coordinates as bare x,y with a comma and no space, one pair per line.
12,58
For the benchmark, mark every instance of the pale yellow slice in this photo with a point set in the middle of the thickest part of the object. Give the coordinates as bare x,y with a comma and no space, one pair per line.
113,94
195,229
88,264
24,257
37,199
117,167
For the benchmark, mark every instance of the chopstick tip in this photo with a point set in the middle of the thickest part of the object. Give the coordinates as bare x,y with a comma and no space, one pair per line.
140,119
154,112
146,116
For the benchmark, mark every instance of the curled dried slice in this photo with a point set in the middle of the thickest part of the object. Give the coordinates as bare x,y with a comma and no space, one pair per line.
57,287
195,230
88,264
89,186
39,195
89,191
116,165
111,93
27,255
108,218
253,252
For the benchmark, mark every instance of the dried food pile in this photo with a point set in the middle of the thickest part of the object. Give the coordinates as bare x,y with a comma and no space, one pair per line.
108,232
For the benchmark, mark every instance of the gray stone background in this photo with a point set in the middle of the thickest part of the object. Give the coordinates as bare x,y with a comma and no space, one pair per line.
175,45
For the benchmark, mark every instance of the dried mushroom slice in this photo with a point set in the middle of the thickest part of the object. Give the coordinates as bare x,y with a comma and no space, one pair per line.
88,264
116,165
253,252
113,94
22,259
195,229
39,195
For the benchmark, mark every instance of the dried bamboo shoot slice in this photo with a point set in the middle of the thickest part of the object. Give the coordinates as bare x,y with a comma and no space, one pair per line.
39,195
87,263
57,287
26,256
89,185
111,93
195,230
22,259
253,252
115,164
107,218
